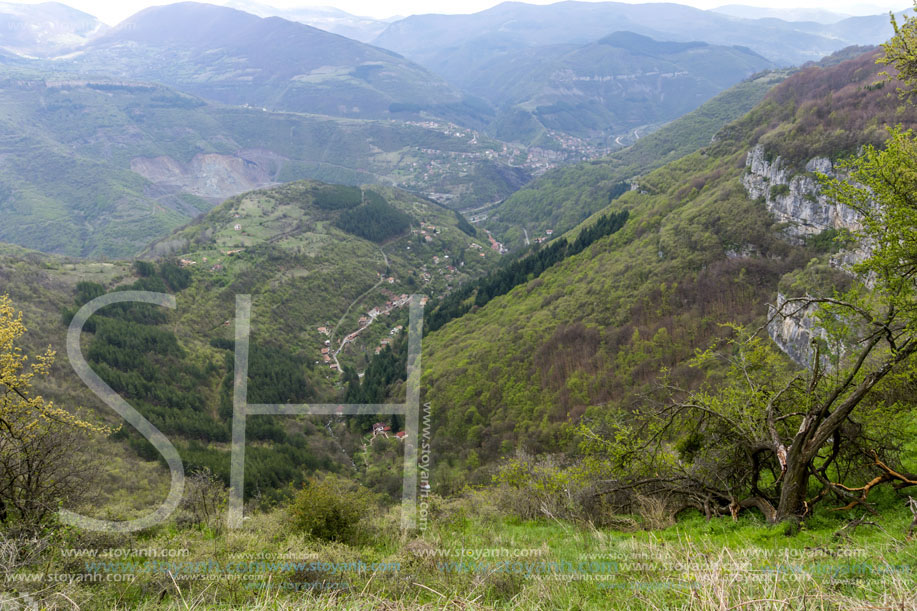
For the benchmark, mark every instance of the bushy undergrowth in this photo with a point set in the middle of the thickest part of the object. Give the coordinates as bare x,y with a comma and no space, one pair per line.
330,509
473,555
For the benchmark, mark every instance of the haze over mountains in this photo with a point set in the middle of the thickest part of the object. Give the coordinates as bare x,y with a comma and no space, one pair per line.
786,14
221,54
429,39
327,18
43,30
162,116
618,83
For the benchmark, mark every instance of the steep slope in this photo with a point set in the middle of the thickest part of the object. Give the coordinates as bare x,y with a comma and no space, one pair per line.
605,89
311,255
238,58
597,329
428,39
100,167
564,197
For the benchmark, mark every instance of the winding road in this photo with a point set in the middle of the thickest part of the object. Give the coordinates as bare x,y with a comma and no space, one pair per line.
347,311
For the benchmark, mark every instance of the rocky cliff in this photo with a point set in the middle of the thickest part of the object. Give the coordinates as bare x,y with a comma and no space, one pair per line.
796,199
793,333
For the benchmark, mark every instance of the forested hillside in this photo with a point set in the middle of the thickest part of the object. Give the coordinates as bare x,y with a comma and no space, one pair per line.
316,259
592,334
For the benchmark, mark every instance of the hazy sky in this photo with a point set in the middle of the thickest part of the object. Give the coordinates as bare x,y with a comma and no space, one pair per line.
112,12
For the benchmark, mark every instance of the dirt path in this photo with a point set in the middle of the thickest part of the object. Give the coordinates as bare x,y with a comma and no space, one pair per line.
350,307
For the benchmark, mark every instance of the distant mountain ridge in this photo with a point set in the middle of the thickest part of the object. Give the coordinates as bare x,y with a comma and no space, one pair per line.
787,14
45,29
427,39
328,18
238,58
610,87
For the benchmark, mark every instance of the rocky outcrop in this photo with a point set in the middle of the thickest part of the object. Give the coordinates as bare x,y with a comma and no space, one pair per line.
793,331
796,199
212,176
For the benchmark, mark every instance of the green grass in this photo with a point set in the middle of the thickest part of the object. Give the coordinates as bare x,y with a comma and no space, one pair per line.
475,557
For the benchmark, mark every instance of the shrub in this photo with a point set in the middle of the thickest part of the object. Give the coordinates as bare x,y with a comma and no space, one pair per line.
829,240
655,512
204,500
330,509
778,190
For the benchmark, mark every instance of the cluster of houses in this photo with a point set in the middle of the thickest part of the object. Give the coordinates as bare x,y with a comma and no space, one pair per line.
427,231
499,247
189,262
326,348
388,340
380,429
396,301
548,234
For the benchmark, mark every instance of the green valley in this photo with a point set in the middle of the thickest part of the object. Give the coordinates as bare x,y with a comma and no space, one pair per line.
562,198
667,357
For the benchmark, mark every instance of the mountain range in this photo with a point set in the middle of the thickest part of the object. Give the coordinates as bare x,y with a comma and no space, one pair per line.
161,117
516,72
600,90
237,58
431,39
45,29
